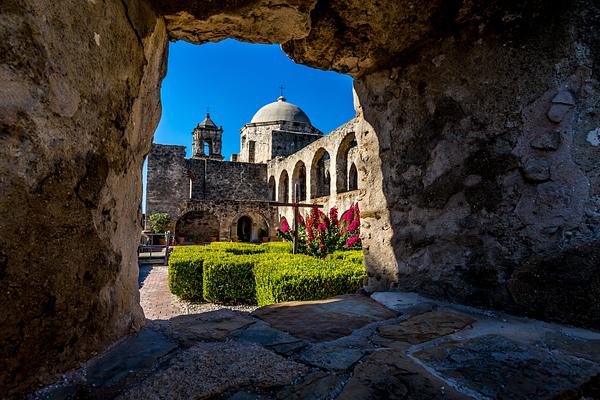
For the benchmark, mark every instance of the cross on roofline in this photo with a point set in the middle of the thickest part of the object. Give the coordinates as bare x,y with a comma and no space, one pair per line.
281,89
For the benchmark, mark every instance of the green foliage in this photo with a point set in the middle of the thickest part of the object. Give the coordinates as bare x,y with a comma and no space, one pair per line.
303,277
185,271
352,256
277,247
160,222
266,273
229,279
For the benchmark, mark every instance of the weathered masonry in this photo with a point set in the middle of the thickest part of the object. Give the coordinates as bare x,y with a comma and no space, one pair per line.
477,126
210,200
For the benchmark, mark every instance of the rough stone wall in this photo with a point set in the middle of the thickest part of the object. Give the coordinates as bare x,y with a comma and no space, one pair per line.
490,164
226,180
284,143
309,155
80,84
228,213
267,137
167,181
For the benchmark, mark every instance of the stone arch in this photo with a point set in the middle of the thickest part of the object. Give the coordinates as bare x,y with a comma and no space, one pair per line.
272,189
352,177
320,178
198,227
299,182
341,162
260,226
283,194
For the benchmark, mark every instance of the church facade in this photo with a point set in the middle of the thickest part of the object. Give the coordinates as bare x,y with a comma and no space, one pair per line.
282,158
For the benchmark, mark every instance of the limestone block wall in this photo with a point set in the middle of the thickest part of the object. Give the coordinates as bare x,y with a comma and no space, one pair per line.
228,212
341,157
167,182
269,139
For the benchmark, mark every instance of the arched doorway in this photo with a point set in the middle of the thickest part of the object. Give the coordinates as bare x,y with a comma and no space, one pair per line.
342,165
244,229
352,178
198,227
272,192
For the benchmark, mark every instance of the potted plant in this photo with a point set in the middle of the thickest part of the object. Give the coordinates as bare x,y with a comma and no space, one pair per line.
159,222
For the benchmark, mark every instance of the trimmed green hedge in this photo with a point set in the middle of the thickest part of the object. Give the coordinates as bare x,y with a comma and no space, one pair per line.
263,274
305,278
229,279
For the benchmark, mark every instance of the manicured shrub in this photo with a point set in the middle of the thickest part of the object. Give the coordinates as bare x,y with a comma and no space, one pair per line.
185,271
352,256
263,274
277,247
301,277
229,279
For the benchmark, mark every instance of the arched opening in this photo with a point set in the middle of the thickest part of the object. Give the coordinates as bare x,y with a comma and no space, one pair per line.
197,227
342,164
272,192
352,178
244,229
207,148
299,182
319,174
284,187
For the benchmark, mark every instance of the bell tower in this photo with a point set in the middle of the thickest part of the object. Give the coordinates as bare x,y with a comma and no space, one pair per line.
207,140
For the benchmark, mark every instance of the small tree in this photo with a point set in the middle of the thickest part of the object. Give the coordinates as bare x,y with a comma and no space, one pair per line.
160,222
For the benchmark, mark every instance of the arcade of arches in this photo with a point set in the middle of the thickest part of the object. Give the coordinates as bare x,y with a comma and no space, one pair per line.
477,123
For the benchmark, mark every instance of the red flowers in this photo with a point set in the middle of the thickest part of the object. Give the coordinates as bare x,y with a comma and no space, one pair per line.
323,234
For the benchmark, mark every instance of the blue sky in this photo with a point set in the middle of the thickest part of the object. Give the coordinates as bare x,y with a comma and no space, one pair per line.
235,79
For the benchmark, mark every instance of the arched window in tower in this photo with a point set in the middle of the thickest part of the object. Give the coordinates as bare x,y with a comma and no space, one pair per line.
207,147
342,164
284,187
272,188
319,174
352,178
299,182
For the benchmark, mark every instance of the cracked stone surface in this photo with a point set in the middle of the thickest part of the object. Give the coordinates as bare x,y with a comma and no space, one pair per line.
324,319
453,352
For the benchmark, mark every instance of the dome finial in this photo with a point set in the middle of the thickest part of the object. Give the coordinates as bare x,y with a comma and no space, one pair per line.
281,98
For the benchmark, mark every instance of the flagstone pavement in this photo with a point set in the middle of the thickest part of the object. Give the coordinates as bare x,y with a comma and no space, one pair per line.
389,345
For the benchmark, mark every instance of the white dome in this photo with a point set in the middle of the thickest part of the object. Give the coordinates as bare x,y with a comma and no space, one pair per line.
280,110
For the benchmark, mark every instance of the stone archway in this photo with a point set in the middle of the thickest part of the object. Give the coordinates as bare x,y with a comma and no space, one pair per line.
198,227
244,229
320,180
471,113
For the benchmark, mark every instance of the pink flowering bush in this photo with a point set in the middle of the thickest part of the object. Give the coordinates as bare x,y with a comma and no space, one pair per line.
321,234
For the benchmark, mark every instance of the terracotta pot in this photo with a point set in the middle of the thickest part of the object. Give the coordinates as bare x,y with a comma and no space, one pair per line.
265,239
162,241
180,240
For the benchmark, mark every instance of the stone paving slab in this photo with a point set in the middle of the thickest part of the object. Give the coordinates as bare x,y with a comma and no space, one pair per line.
209,326
322,320
262,333
209,369
389,374
425,327
496,367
